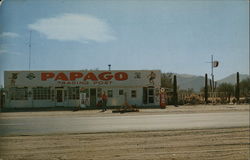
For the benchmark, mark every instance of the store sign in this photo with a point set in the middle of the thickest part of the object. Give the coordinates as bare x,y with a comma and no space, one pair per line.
83,78
105,76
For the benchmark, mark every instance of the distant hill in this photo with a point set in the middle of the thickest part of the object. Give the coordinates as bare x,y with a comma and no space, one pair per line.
232,78
186,81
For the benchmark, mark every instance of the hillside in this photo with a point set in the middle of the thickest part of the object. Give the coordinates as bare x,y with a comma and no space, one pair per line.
232,78
186,81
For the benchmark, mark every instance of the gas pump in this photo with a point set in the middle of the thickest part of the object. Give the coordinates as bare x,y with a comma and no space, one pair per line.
162,98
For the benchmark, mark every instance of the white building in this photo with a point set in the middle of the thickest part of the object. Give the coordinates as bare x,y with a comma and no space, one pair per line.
64,88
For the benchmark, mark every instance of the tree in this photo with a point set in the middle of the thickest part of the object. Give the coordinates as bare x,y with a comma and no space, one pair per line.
245,87
226,90
166,80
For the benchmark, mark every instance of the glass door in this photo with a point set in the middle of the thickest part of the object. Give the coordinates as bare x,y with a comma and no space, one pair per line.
59,96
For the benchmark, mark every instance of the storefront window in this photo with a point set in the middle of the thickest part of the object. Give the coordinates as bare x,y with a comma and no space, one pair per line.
150,95
41,93
150,99
73,92
110,93
99,92
133,93
19,93
120,92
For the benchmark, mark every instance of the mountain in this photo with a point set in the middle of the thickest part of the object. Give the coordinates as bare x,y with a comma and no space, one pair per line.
186,81
232,78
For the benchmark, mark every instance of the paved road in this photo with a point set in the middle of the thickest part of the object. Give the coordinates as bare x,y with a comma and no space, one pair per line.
80,124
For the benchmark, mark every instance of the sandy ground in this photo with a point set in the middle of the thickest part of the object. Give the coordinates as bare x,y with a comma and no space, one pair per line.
221,144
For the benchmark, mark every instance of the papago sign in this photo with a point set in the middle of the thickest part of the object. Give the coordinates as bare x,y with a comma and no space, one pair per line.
84,78
105,76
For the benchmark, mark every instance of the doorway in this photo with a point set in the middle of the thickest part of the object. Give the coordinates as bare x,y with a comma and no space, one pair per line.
148,95
59,96
92,97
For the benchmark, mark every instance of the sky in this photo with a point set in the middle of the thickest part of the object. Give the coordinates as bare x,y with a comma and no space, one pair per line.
173,36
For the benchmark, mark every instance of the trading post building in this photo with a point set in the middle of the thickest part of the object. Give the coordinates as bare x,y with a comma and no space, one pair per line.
83,88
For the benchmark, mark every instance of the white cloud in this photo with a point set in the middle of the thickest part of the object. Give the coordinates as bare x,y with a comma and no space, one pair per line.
74,27
5,51
9,52
9,34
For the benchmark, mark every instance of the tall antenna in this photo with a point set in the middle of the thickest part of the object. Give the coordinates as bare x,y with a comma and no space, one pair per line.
30,50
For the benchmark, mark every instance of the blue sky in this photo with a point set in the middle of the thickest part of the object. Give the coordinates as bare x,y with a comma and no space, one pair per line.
173,36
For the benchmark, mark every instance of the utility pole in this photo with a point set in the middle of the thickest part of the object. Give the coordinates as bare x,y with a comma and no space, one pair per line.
213,65
212,75
30,50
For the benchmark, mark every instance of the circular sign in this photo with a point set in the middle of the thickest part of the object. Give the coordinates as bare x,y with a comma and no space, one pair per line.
162,90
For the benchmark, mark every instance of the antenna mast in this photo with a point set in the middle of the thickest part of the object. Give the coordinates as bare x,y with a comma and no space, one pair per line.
30,50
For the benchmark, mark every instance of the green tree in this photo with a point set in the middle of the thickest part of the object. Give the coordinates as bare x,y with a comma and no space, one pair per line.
226,90
166,80
245,87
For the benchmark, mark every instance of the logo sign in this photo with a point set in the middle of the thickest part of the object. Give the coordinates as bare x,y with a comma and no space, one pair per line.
162,90
31,76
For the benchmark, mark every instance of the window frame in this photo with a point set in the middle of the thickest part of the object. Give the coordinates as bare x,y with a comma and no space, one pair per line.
41,93
19,93
73,93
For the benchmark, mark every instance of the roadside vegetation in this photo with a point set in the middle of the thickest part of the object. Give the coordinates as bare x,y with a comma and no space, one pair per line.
224,93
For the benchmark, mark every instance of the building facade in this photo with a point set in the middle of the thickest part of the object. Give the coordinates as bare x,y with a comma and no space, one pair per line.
81,87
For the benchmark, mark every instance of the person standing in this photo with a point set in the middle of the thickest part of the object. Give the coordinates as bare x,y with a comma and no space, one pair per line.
104,101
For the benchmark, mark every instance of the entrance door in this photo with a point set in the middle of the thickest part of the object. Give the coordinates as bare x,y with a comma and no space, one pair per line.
145,95
59,97
92,97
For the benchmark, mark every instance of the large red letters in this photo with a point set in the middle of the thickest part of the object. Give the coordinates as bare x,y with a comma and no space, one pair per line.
45,76
90,76
105,76
74,75
121,76
61,76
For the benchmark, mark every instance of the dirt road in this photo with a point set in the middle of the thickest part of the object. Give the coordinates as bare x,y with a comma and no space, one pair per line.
228,144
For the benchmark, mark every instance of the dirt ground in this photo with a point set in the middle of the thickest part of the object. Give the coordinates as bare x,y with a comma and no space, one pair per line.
221,144
199,144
